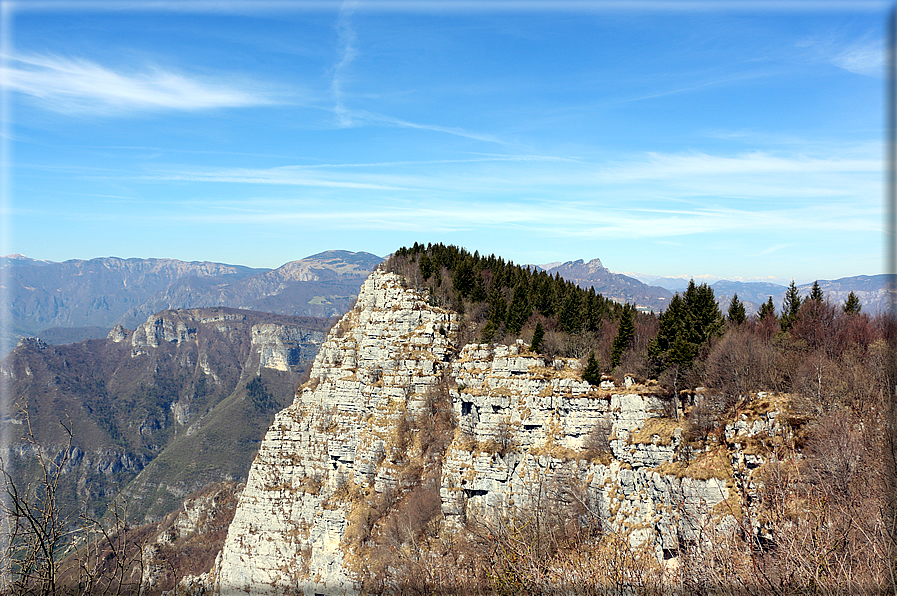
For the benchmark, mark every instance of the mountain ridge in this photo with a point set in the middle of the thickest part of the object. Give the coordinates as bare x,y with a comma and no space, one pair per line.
103,292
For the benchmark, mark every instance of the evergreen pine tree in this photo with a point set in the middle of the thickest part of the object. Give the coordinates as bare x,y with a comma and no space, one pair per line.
463,279
497,306
426,266
816,293
592,373
767,309
790,306
538,336
708,320
674,323
519,310
569,315
689,323
737,313
479,289
852,306
624,337
488,332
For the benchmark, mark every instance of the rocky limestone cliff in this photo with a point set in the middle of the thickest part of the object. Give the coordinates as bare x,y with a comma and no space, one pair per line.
526,431
376,366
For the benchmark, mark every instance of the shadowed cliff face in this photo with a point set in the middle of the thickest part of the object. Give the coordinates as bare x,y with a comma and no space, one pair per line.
398,428
160,411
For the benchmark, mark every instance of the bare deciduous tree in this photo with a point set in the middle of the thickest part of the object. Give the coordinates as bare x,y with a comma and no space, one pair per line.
48,552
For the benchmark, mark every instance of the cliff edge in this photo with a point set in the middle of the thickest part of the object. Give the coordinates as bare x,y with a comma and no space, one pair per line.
397,418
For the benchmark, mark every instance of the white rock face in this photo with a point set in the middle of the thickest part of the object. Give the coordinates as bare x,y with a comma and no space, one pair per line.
525,428
377,364
524,433
159,329
284,347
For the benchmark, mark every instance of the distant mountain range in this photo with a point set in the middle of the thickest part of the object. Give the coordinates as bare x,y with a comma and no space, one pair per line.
75,300
615,286
870,289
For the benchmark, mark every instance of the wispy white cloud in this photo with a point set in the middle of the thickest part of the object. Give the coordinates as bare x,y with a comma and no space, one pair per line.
772,249
359,116
286,176
76,85
676,181
864,58
348,50
482,158
679,165
719,81
547,219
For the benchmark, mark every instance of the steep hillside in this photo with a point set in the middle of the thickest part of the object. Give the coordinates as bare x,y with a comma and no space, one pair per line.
159,411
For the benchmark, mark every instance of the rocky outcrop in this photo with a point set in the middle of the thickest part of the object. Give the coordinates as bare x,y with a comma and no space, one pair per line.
377,365
284,347
527,430
279,345
160,329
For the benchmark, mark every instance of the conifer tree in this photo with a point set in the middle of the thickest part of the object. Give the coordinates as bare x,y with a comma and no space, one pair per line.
624,337
538,336
463,279
688,324
708,320
488,332
479,289
790,306
816,293
592,373
767,309
569,316
852,306
737,313
426,265
519,310
497,306
674,325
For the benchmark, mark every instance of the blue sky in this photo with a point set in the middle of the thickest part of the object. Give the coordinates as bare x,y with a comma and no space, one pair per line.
735,139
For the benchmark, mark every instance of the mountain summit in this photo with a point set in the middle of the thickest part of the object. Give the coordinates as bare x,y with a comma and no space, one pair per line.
616,286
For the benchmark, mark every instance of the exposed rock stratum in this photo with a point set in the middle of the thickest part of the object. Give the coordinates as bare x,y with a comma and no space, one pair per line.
524,427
